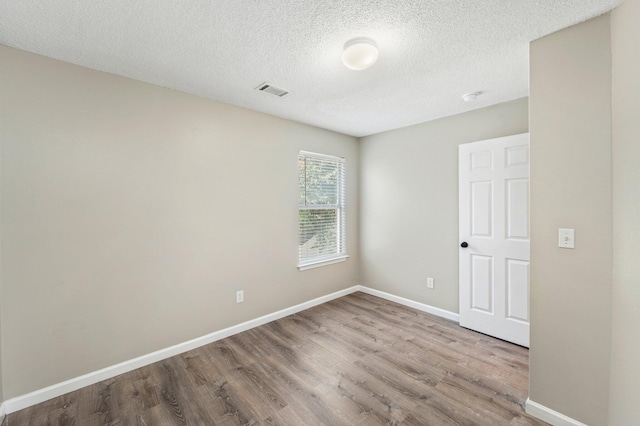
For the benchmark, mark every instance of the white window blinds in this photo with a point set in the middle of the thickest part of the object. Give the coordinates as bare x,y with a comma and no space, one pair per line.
321,209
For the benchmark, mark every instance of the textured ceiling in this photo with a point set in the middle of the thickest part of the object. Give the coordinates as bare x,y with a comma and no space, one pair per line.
431,51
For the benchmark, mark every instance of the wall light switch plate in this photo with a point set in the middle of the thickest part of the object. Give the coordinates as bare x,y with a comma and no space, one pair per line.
566,238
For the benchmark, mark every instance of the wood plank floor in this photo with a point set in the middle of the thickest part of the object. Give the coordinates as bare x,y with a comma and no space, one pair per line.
357,360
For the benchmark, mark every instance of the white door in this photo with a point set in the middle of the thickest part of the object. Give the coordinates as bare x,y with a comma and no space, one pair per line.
494,237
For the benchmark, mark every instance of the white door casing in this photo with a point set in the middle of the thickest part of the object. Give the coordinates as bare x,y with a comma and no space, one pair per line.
494,222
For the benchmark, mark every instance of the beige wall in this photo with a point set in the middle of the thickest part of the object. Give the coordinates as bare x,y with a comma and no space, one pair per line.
409,201
1,295
131,214
625,372
570,126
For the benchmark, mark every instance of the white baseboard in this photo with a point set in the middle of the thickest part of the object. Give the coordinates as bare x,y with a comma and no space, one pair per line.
411,303
20,402
3,412
548,415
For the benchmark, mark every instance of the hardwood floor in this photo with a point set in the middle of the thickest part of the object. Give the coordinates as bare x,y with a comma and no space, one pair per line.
357,360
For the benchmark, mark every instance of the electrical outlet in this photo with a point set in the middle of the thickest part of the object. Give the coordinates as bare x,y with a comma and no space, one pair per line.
240,296
430,282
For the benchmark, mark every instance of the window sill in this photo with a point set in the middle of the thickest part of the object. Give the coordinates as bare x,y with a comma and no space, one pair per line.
323,263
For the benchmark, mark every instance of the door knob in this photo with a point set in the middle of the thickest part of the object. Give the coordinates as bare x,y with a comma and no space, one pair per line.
464,244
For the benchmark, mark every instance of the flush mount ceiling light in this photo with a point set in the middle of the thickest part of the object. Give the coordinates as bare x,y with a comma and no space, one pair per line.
360,53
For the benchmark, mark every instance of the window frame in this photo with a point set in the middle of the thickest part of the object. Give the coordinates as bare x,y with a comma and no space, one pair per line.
340,207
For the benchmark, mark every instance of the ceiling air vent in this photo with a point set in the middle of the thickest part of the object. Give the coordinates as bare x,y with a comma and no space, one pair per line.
272,90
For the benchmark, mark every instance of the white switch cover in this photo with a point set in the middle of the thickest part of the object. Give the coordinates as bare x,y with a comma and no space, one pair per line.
566,238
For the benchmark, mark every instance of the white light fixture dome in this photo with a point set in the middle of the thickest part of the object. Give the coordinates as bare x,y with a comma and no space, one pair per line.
359,53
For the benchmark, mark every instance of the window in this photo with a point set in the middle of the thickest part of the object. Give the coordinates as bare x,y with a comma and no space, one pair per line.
321,210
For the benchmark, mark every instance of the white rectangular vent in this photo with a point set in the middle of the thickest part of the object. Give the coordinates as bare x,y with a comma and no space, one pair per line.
272,90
